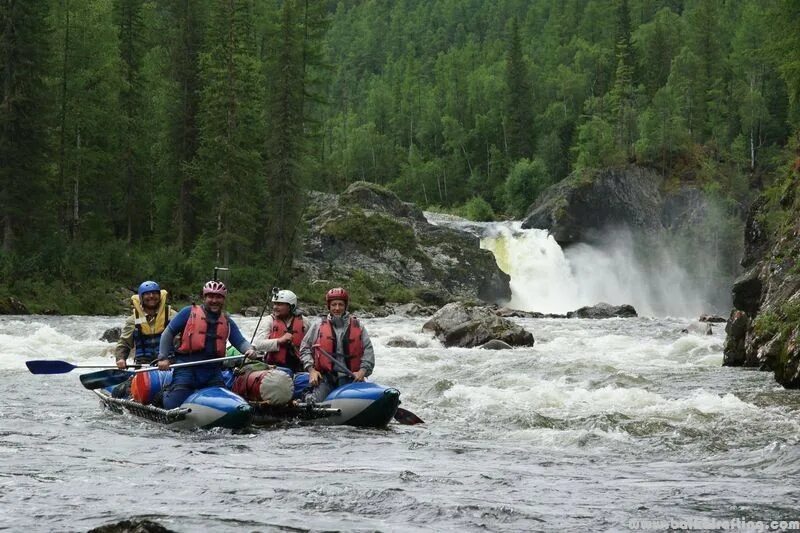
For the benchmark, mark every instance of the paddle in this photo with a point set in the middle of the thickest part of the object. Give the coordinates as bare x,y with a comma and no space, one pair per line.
106,378
45,366
403,416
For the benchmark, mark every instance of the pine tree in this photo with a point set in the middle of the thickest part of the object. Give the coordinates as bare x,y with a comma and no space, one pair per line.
519,100
87,85
24,119
285,142
188,19
623,95
231,133
131,47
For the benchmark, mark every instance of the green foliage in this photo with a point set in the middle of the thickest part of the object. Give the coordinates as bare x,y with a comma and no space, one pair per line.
596,147
780,322
477,209
525,182
663,134
384,232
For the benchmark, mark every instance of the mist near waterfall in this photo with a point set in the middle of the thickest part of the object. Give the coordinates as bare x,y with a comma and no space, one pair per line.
657,278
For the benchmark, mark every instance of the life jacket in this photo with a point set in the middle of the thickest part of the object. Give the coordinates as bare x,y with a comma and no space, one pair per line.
353,348
193,339
146,337
298,330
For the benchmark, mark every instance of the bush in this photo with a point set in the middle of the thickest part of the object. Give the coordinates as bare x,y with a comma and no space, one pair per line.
477,209
523,185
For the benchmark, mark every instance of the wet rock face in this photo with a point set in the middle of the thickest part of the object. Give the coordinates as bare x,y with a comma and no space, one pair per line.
459,324
579,207
764,327
368,232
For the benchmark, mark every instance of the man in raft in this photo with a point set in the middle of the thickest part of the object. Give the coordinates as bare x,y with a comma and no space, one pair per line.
141,333
341,336
205,330
285,331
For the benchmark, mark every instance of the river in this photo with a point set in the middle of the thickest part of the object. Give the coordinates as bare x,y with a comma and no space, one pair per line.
599,425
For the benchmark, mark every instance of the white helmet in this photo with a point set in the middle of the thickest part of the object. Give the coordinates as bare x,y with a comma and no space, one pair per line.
286,297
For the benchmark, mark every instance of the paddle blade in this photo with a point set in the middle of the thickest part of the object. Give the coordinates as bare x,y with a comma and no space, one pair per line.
104,378
43,366
406,417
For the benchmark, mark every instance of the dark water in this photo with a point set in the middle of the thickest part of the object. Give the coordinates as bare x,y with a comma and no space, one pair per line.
601,424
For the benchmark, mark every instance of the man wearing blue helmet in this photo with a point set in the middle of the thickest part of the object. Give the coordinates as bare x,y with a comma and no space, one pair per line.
142,330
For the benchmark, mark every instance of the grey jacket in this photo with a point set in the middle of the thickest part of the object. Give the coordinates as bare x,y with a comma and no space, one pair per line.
307,350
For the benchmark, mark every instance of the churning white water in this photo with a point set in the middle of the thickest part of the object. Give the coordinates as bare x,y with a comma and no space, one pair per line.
599,426
602,425
547,279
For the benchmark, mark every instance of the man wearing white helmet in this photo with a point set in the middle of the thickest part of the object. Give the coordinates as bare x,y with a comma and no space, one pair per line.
285,330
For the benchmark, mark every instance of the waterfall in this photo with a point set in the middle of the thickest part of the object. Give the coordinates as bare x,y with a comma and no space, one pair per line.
547,279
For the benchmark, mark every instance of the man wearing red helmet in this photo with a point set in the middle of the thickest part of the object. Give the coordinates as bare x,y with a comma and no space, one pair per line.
205,330
342,336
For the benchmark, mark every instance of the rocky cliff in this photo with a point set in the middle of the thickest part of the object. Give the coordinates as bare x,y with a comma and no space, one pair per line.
367,233
763,330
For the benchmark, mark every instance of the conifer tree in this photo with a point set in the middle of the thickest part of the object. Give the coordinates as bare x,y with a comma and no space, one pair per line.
131,47
187,18
284,146
24,119
519,100
87,86
623,95
231,133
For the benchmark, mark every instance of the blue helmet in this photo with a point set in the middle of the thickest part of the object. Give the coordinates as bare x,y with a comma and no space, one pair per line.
148,286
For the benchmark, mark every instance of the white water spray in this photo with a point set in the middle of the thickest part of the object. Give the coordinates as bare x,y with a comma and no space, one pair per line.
547,279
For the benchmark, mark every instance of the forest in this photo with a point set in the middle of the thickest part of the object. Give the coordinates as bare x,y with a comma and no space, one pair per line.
160,138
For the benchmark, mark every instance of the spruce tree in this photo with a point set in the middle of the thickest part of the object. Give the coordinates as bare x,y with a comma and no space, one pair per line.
519,100
24,120
229,159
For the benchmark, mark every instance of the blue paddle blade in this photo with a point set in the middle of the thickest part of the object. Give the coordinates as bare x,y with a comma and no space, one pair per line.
43,366
104,378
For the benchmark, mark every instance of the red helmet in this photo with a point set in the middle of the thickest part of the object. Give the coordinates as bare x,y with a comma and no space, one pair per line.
337,293
215,287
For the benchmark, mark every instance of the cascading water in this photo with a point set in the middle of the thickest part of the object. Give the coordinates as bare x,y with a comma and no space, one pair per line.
547,279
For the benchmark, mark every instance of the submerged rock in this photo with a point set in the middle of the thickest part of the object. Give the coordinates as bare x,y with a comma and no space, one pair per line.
495,344
132,526
402,342
467,326
111,334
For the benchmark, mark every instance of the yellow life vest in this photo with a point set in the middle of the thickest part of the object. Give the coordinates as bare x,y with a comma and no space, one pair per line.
140,318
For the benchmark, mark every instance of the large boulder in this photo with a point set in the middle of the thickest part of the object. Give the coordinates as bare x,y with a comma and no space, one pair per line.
368,233
604,310
579,208
466,326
